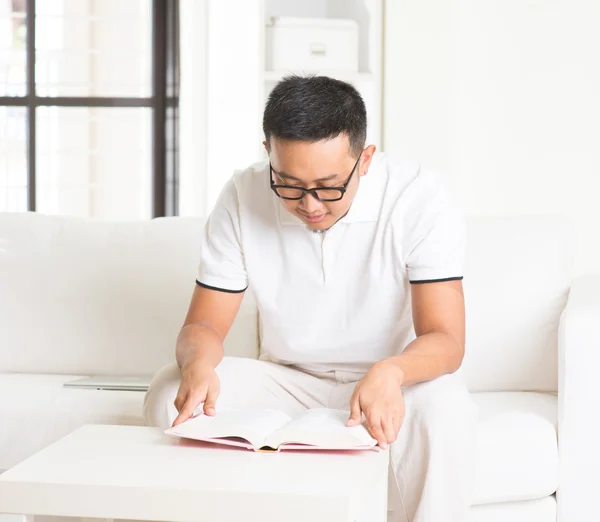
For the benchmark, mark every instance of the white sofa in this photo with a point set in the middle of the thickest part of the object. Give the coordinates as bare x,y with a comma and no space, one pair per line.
81,297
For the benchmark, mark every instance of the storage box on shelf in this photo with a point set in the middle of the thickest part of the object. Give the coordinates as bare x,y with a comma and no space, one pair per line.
311,44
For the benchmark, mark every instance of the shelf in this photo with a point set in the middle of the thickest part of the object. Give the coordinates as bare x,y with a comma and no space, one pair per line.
350,77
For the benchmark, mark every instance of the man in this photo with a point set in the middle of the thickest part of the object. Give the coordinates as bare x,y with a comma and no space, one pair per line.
355,262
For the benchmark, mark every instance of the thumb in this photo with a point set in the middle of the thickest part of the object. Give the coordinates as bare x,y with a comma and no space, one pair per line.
355,413
211,400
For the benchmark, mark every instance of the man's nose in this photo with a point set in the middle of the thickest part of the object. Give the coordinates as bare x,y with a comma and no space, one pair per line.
310,203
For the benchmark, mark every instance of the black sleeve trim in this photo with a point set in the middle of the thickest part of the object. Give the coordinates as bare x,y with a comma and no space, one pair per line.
436,280
220,289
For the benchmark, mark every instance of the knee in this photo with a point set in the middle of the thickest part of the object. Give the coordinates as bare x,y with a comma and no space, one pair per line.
443,404
159,408
232,368
241,380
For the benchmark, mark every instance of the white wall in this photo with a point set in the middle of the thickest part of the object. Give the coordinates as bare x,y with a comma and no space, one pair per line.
504,96
221,96
193,106
235,89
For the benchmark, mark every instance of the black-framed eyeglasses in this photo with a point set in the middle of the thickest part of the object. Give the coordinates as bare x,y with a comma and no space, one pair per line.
322,194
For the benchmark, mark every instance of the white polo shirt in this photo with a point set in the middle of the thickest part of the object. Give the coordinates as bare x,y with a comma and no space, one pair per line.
338,300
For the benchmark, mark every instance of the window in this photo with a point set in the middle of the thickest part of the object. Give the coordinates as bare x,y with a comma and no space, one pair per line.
89,93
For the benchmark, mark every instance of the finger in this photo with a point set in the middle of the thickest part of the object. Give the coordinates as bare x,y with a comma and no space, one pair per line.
180,400
355,413
397,421
188,408
211,400
179,419
377,432
388,429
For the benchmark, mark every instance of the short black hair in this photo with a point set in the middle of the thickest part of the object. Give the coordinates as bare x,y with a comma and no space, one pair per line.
315,108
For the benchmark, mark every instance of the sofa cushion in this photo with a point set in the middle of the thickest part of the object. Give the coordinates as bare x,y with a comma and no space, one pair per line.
94,297
517,280
36,410
517,453
539,510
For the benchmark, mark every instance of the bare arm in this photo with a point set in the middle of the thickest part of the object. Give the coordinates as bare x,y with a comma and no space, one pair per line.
209,318
439,319
200,349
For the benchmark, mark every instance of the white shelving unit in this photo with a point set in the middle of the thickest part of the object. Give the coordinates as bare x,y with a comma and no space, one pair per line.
368,80
225,84
275,76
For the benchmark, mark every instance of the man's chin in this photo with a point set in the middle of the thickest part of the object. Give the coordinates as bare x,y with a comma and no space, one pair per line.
322,226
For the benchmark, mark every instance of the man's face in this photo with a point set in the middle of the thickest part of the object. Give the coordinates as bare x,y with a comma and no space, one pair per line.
317,165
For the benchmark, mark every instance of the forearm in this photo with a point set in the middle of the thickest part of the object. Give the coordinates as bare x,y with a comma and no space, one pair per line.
201,343
429,356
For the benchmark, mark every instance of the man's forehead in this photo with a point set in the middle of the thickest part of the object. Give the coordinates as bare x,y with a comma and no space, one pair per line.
306,152
311,162
313,177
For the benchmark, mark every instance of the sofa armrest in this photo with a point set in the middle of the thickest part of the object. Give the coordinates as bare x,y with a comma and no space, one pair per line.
579,403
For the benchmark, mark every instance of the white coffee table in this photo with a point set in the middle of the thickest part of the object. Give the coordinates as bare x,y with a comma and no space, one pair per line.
127,472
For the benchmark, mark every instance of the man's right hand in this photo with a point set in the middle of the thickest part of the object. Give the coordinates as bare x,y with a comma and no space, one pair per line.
199,384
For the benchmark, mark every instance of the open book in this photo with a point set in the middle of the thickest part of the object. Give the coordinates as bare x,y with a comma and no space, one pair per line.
271,430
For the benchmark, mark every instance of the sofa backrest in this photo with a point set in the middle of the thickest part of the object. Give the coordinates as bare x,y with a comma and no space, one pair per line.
517,279
90,297
85,297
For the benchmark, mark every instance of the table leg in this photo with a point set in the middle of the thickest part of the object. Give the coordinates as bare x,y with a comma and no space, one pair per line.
376,502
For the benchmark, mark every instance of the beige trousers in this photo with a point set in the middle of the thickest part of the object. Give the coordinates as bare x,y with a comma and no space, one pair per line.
431,462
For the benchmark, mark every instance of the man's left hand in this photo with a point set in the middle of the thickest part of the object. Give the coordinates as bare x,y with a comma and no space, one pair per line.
378,395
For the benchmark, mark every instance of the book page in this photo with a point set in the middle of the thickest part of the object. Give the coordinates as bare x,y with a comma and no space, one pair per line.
325,428
251,425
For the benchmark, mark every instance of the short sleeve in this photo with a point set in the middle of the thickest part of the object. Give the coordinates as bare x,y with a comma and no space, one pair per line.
435,238
222,264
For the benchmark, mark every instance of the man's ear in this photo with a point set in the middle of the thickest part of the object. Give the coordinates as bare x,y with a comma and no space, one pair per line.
367,156
266,146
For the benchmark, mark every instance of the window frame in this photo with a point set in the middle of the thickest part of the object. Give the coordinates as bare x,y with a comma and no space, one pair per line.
163,102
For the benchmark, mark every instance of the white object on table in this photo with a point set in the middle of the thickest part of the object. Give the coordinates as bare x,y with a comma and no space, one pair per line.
129,472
